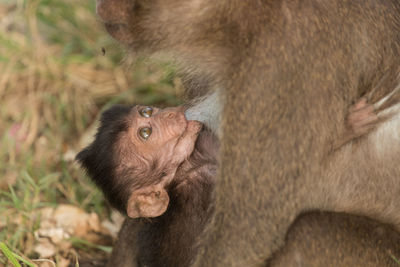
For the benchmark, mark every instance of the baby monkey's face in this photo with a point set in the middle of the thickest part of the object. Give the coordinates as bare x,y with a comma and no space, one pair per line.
156,141
161,134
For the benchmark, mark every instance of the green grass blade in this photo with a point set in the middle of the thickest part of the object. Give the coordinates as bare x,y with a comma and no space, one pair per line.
30,264
13,257
9,255
16,201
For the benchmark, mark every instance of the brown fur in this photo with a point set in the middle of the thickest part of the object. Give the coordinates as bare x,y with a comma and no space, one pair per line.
314,240
338,240
288,71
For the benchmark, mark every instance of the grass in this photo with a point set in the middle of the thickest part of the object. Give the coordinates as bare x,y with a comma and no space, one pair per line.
54,82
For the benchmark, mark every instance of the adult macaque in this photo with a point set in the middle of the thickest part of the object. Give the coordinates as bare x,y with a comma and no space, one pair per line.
286,72
153,163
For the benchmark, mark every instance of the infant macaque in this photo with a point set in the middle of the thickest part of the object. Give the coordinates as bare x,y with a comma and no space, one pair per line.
153,163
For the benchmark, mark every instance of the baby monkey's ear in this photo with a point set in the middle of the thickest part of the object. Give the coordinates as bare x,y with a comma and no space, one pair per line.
147,202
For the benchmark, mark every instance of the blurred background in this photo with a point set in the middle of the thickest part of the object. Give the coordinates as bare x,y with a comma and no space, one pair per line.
58,70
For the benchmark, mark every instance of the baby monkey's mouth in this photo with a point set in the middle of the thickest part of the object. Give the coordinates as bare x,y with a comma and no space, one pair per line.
186,132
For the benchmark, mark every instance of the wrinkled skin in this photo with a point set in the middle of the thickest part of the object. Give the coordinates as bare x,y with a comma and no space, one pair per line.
172,138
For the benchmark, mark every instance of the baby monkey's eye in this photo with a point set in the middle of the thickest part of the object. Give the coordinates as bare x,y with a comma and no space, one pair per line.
145,132
146,112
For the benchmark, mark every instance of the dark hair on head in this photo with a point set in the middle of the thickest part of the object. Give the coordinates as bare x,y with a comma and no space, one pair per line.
98,159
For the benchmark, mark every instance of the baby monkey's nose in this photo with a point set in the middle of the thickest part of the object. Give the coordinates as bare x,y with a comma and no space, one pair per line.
173,113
